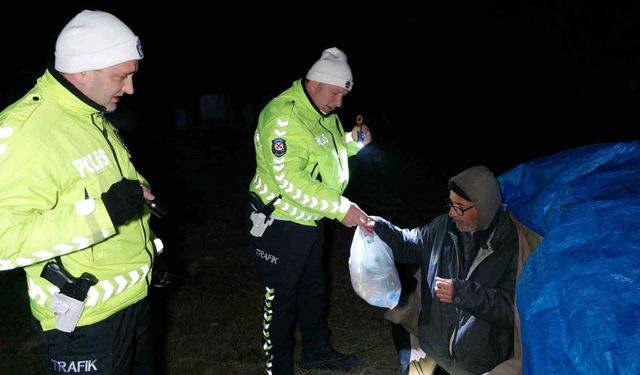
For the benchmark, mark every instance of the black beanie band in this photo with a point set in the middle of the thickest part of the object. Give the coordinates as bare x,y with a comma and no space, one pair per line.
481,186
456,189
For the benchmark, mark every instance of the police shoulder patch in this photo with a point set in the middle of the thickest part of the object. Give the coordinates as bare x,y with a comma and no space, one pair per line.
279,147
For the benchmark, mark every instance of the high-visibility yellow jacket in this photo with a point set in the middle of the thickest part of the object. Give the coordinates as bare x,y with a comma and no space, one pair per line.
302,155
58,154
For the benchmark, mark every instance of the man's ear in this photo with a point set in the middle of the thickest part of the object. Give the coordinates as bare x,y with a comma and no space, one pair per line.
312,86
78,79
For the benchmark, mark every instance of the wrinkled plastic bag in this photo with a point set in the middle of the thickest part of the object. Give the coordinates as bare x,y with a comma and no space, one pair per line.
373,272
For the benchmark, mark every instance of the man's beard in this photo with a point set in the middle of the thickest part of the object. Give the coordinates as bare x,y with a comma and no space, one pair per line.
466,227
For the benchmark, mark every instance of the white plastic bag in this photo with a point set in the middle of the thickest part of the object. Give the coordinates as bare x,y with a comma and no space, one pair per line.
373,272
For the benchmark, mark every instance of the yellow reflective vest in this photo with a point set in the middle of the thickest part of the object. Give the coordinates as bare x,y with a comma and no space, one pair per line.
302,155
58,154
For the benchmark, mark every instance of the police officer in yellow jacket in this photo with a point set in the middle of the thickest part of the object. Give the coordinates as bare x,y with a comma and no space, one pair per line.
72,210
302,170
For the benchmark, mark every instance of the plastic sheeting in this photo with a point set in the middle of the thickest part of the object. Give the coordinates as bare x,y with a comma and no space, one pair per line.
579,293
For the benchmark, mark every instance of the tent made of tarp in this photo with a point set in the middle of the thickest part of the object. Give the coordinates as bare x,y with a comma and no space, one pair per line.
578,294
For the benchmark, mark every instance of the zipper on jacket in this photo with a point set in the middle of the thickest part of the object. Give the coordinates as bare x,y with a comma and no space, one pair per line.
458,311
319,176
105,134
335,145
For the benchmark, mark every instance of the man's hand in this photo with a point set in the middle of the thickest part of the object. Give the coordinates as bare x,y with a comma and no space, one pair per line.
355,216
367,134
146,193
124,201
369,226
444,290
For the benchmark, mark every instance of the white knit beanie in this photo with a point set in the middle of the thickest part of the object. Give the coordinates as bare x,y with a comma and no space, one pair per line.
332,68
95,40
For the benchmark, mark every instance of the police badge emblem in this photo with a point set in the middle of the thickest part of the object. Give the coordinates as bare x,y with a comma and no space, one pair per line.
278,147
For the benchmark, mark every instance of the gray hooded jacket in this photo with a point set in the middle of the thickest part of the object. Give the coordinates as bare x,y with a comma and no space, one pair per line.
475,332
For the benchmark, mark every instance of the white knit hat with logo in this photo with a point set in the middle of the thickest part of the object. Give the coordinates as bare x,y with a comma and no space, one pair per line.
95,40
332,68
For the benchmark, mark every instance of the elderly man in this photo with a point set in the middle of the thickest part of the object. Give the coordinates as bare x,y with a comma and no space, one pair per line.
468,261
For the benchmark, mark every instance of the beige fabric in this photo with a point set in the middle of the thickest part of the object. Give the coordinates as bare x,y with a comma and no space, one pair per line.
508,367
425,366
407,315
416,351
528,240
400,313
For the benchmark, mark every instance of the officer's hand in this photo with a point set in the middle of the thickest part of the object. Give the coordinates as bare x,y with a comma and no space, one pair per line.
123,201
367,134
146,193
355,216
370,225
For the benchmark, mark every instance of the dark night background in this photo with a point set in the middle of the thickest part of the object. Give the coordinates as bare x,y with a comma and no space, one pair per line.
517,78
443,86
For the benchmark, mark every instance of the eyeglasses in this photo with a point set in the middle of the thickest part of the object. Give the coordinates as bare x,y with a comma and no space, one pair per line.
457,209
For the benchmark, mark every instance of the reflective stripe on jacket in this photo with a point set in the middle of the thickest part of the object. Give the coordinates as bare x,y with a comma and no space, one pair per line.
302,155
58,154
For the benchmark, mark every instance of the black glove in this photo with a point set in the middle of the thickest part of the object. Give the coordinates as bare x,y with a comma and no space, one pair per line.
124,201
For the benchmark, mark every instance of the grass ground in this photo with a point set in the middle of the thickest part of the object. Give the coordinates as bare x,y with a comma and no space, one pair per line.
208,320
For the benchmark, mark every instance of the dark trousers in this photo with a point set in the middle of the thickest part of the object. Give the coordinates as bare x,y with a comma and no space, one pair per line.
289,261
402,342
119,345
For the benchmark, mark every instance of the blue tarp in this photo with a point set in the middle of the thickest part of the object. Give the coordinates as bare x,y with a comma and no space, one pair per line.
579,293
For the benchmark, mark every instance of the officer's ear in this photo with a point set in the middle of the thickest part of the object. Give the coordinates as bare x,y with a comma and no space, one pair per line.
312,86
